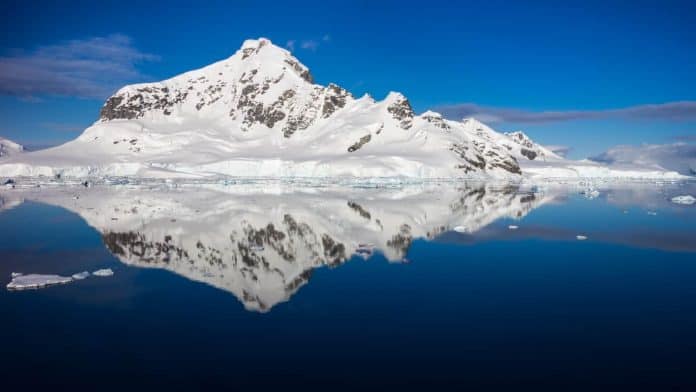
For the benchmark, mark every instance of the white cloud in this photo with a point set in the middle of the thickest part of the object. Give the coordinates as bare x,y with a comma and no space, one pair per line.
680,156
678,110
87,68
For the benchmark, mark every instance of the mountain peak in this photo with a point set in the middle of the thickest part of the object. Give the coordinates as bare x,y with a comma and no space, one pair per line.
252,47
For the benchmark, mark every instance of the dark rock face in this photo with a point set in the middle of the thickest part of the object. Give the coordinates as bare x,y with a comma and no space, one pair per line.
299,281
135,245
521,139
437,121
401,110
334,99
335,252
303,114
357,145
128,106
401,242
482,159
359,209
303,72
528,153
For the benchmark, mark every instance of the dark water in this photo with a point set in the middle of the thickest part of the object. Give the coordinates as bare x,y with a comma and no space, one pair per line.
485,308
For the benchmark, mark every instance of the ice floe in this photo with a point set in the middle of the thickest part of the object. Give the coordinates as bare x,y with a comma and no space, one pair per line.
513,227
35,281
581,237
80,275
103,272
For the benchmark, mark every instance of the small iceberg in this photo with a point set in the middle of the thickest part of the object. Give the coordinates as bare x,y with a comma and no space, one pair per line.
513,227
653,213
460,229
684,199
16,274
35,281
103,272
80,275
581,237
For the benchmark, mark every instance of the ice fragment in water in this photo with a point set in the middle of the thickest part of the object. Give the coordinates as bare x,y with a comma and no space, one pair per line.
581,237
34,281
80,275
460,229
684,199
103,272
513,227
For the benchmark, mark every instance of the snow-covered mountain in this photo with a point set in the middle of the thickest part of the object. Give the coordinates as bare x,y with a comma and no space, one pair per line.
262,243
259,113
8,148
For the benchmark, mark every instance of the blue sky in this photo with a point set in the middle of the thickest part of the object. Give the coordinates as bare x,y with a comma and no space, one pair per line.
575,74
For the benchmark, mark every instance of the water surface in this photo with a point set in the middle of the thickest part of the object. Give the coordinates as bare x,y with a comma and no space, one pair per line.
316,288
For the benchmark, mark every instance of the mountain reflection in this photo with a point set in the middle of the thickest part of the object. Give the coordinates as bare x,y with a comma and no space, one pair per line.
262,244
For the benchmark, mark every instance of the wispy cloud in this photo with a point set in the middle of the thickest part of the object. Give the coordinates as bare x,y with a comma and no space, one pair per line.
86,68
310,44
679,156
307,44
679,110
686,138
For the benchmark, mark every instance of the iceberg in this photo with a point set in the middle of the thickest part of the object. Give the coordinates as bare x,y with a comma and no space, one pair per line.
581,237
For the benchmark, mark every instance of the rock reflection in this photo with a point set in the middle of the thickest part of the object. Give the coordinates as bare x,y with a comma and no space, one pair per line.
262,244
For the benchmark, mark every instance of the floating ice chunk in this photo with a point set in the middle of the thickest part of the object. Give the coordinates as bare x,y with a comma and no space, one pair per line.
581,237
513,227
16,274
35,281
80,275
460,229
684,199
103,272
652,213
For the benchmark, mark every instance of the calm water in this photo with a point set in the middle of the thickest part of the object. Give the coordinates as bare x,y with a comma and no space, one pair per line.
342,288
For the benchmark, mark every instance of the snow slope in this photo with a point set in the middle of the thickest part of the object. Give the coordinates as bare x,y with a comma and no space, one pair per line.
258,113
8,148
